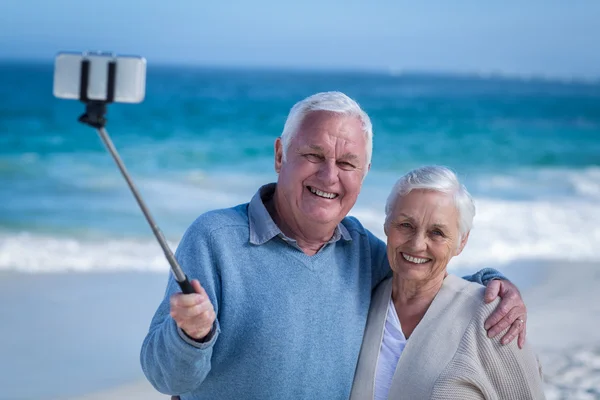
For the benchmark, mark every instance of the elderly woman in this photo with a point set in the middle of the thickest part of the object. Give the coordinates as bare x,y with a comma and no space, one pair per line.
425,336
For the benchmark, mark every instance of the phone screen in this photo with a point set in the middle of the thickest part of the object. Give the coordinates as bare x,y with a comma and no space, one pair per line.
130,80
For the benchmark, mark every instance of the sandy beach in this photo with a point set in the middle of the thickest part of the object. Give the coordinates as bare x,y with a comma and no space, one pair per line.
564,325
140,390
66,335
96,357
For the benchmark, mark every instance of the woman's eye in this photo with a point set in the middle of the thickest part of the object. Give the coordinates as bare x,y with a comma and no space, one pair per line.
438,232
405,225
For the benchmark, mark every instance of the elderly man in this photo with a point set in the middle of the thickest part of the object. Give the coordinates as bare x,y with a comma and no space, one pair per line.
284,282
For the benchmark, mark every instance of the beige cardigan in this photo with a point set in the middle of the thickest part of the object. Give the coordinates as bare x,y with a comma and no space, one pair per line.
448,355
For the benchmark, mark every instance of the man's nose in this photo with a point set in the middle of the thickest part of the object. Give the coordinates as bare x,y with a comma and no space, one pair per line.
328,172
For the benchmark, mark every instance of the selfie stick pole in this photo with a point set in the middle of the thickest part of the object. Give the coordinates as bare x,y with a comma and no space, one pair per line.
94,117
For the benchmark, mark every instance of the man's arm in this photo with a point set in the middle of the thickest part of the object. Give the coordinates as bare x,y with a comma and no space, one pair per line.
173,362
510,312
484,276
380,266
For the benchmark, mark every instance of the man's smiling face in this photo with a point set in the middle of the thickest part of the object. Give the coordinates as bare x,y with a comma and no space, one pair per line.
324,167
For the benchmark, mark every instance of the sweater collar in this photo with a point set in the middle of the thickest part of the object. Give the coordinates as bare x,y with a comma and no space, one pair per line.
262,226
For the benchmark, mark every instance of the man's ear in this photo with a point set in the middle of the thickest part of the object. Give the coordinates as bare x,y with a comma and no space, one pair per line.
463,243
278,154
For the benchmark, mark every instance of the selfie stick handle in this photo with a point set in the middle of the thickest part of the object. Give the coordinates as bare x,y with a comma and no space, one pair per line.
180,276
94,117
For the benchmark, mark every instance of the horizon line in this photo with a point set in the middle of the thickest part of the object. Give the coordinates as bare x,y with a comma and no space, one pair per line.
389,71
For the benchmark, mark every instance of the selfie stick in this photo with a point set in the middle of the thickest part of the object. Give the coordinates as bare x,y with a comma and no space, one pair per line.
94,117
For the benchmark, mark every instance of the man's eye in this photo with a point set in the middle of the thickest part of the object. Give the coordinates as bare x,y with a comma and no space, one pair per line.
405,225
346,165
437,232
312,157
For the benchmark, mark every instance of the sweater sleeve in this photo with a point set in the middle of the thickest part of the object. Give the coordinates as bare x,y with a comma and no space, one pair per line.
172,362
380,267
484,276
484,369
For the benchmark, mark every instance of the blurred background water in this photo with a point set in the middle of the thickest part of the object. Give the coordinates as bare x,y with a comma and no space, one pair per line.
528,150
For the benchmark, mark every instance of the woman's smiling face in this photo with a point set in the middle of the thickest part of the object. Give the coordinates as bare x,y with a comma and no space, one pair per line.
423,234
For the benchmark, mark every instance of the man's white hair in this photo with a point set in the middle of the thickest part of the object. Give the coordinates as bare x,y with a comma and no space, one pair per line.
439,179
335,102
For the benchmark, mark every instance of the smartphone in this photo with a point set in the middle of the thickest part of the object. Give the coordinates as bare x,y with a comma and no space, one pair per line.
129,82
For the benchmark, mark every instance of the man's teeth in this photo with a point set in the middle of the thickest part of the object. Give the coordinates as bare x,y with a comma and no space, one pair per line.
322,194
415,260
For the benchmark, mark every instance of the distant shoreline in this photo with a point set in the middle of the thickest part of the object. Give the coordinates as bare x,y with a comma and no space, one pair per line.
409,73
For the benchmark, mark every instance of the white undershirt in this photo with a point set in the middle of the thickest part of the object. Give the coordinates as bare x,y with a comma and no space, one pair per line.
391,348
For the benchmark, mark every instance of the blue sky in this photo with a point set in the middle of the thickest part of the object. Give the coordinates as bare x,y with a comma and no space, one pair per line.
550,38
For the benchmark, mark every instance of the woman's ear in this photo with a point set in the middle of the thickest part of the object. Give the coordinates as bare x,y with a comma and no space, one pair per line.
463,243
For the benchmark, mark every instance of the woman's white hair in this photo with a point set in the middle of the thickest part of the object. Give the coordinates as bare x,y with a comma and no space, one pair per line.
439,179
335,102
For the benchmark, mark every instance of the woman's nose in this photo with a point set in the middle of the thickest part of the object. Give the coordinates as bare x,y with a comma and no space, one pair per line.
418,242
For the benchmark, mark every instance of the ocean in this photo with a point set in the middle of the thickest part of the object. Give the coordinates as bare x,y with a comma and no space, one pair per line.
528,150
